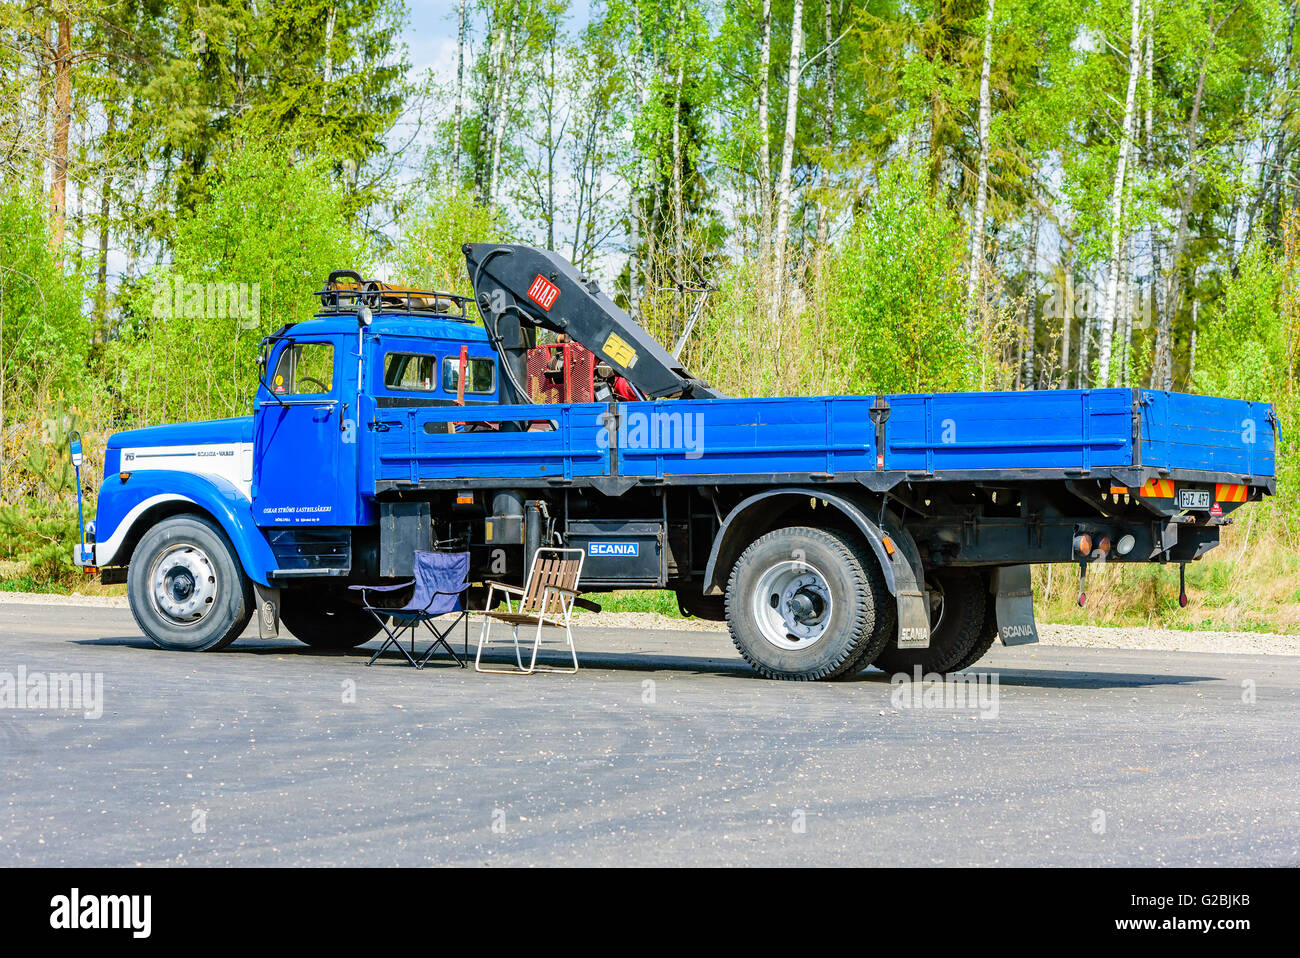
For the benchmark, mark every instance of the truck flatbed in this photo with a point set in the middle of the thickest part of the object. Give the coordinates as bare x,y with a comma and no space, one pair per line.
1126,435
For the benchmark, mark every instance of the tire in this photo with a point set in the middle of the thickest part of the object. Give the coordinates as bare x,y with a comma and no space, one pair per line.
326,621
886,621
186,588
988,633
955,625
830,597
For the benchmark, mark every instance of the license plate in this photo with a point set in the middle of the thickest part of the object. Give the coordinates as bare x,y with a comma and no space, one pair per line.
1193,498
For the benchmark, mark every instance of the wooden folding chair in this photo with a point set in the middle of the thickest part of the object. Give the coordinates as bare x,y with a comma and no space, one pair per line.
546,599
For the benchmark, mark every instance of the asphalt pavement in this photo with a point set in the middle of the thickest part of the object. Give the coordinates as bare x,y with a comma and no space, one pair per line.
664,749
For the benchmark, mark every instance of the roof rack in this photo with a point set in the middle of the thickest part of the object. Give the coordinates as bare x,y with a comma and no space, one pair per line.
346,292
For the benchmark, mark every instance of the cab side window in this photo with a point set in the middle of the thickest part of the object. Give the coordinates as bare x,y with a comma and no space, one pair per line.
480,375
410,372
304,369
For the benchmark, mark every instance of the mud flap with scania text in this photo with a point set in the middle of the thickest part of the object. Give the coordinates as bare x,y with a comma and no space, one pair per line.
913,619
1015,605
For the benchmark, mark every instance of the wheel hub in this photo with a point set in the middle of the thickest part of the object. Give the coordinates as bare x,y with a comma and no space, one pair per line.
184,584
792,605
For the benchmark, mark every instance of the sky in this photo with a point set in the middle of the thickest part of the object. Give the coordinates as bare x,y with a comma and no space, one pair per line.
430,37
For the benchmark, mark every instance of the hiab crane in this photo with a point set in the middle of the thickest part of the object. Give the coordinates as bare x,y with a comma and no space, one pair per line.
831,532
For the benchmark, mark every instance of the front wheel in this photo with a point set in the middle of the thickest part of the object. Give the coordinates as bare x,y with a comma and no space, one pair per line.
186,588
325,621
802,603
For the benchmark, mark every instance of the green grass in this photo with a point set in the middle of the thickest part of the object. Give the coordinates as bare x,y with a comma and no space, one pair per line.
662,601
30,583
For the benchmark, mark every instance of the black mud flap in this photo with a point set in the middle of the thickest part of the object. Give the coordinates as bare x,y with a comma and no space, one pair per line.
268,611
910,597
1015,605
913,619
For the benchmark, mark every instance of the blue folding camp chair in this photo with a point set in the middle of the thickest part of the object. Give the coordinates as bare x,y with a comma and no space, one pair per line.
438,588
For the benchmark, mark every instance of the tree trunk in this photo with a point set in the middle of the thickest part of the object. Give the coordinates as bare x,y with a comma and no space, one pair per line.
634,189
1031,304
1174,292
500,65
783,186
1276,143
101,276
982,185
460,98
764,140
550,165
828,119
679,199
62,121
1067,314
1125,318
1153,234
503,111
329,56
1107,324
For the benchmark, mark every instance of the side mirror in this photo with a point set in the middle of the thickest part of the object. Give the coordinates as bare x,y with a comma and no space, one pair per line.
74,444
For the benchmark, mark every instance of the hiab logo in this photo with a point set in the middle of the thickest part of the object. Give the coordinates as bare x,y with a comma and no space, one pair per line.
543,292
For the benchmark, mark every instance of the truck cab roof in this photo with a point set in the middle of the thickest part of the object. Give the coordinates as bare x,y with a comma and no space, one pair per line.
413,323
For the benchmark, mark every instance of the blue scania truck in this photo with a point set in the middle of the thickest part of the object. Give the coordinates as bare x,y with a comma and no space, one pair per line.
831,532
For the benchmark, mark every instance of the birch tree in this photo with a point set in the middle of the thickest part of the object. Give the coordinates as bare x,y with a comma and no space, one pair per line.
982,184
1106,326
638,169
459,109
62,122
764,138
783,187
828,117
1163,366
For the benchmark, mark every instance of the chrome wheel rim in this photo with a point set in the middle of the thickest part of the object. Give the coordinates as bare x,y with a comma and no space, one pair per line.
792,605
183,584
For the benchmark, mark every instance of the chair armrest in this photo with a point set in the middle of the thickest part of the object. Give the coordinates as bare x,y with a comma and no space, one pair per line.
381,588
493,584
365,598
560,589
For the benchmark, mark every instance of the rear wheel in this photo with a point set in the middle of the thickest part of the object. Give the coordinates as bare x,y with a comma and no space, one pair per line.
186,588
802,603
957,603
988,632
326,621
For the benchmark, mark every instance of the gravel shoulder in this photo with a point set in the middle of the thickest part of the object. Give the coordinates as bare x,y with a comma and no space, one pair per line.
1067,636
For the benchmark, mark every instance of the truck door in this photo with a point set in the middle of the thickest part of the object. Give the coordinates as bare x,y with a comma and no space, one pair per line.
298,438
